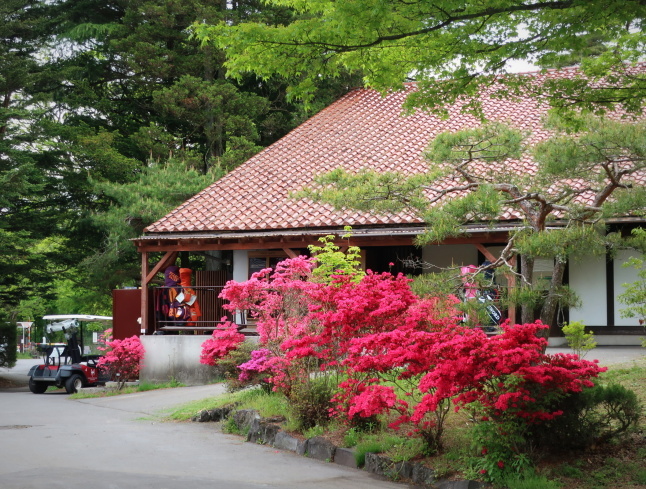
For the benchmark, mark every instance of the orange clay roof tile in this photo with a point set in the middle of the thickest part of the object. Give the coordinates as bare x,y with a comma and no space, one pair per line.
360,130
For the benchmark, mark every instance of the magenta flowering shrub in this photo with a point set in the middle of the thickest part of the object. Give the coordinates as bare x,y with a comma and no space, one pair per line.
278,300
104,338
123,359
258,364
224,339
280,303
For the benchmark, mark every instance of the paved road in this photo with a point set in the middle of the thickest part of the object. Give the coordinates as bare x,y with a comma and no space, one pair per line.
49,441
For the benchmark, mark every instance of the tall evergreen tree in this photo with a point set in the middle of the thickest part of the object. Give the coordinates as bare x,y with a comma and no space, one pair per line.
97,94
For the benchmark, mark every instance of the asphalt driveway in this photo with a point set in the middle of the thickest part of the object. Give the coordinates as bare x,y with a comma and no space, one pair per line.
50,441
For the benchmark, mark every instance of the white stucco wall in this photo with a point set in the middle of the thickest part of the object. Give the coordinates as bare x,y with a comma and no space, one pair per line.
175,357
587,277
240,265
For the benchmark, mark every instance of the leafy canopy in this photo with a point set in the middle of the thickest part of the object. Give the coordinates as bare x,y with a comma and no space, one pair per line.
446,45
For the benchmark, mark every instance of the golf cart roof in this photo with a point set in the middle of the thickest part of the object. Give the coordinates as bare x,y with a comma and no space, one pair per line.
78,317
66,321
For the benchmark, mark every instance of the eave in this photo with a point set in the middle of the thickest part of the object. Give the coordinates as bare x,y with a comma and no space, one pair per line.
301,238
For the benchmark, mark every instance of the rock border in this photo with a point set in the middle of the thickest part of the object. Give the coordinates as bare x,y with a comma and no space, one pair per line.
268,432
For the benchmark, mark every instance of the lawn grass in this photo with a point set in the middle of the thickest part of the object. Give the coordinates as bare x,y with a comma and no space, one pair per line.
130,389
269,405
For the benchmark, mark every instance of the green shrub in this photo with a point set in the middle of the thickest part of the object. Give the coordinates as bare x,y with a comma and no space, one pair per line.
599,413
501,450
640,477
577,339
227,367
310,403
618,408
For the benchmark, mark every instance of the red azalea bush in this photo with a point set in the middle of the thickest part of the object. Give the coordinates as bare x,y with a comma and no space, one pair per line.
504,378
224,340
389,353
123,359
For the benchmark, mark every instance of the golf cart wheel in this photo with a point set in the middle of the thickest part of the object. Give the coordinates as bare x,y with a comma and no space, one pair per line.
74,384
37,387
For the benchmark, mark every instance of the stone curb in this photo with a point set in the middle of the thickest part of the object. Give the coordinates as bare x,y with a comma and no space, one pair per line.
268,432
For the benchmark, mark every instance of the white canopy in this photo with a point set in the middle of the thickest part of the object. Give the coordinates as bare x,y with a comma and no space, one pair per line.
66,321
78,317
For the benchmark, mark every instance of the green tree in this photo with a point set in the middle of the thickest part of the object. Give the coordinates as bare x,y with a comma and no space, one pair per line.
96,92
24,27
450,47
8,341
158,190
579,179
634,295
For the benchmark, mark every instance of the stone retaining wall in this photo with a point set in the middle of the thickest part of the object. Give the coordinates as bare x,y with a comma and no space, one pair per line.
268,432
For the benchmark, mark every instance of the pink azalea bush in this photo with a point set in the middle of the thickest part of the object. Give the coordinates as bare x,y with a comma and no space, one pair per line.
123,359
280,303
224,339
104,338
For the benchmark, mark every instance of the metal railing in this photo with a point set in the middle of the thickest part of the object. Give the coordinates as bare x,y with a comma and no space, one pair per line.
209,305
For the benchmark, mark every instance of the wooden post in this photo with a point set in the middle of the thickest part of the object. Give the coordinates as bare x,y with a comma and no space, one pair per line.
144,291
146,277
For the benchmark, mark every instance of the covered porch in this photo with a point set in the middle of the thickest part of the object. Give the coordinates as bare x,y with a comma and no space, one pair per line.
235,256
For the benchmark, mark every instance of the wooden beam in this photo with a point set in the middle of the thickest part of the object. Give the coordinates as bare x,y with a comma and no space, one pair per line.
290,253
295,242
166,260
487,254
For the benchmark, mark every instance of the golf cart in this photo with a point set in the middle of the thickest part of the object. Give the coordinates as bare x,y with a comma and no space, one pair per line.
65,365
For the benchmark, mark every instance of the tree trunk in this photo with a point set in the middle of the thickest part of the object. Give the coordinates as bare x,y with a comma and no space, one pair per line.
527,271
550,306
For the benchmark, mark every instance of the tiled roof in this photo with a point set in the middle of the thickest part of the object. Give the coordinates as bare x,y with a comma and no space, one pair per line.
360,130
